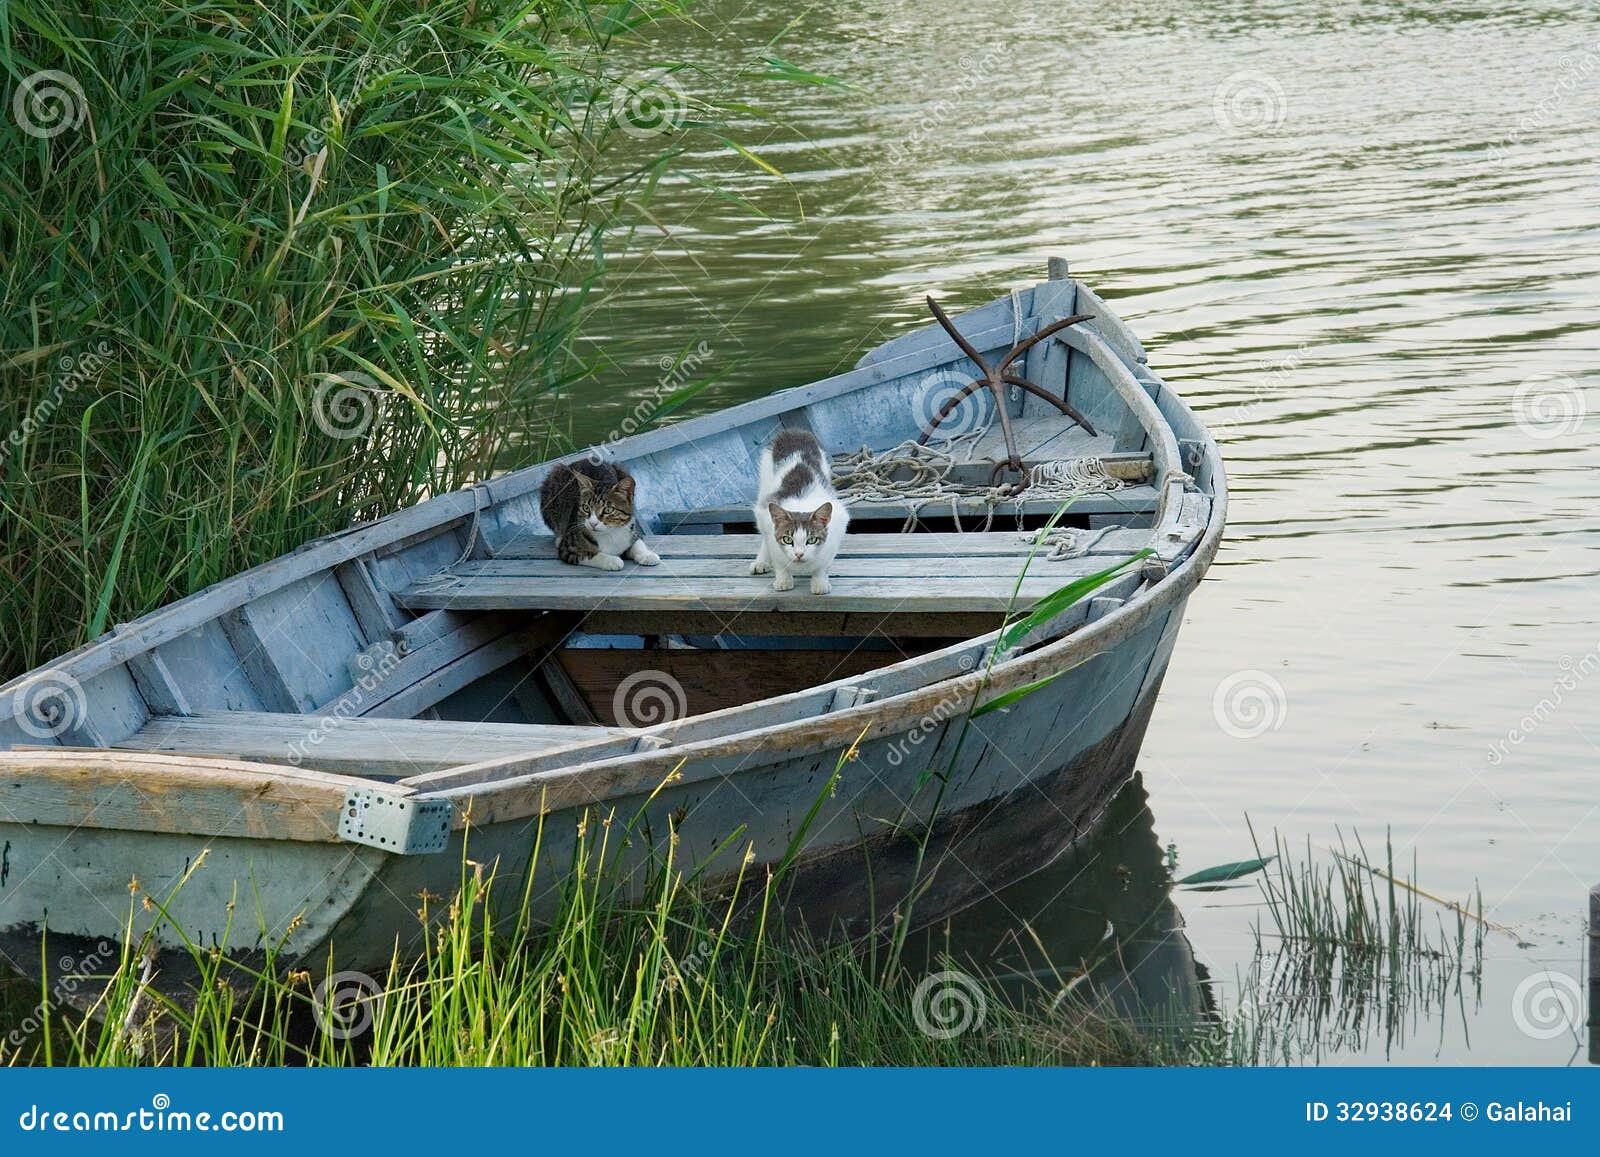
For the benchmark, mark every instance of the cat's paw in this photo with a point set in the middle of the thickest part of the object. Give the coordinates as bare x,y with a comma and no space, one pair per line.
643,555
784,582
820,584
603,562
760,566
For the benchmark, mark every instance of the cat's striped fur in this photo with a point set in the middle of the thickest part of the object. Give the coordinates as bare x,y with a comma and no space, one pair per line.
588,506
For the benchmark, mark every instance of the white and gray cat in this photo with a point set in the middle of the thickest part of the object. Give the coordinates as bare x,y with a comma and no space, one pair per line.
799,517
588,506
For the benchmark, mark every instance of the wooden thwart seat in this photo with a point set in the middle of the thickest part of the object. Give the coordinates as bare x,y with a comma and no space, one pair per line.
876,576
381,748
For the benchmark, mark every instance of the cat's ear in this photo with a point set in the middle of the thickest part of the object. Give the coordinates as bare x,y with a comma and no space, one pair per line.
780,517
624,487
821,515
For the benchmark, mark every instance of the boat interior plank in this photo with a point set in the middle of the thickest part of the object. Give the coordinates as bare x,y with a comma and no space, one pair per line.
381,748
872,583
711,680
205,664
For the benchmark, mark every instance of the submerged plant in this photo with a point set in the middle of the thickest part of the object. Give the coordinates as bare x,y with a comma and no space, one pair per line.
1352,953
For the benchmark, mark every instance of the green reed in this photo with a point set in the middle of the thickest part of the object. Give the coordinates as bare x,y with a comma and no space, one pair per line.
1355,954
268,269
633,968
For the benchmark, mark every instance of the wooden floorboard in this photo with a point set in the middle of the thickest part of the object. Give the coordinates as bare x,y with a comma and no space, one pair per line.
708,680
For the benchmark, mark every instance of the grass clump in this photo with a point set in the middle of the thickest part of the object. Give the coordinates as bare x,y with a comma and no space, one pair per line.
618,976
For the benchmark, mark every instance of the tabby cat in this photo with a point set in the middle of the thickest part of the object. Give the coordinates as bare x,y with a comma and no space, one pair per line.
589,508
800,518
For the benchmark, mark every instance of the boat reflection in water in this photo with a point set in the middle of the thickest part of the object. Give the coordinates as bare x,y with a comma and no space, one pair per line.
1097,926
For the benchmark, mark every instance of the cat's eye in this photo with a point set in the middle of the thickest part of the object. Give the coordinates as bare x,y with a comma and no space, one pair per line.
787,540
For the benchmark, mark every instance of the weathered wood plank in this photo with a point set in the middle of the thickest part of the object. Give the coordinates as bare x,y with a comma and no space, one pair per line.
905,676
374,692
368,747
374,610
987,327
158,686
296,642
662,590
1115,331
136,791
445,681
1046,362
707,681
554,676
106,708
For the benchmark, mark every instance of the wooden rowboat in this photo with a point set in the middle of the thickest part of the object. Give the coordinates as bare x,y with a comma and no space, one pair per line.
336,729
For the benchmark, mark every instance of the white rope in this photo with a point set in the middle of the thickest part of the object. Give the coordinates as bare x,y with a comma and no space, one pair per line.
481,499
1063,541
919,476
910,473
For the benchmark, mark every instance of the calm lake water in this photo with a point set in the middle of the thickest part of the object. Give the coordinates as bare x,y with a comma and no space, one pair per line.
1363,239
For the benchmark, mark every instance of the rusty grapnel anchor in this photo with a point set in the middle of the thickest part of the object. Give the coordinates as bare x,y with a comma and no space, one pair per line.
995,378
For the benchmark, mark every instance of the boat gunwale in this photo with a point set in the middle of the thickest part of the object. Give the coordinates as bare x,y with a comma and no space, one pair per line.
645,769
511,798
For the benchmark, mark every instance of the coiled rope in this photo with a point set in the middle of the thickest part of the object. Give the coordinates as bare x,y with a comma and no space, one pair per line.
919,476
